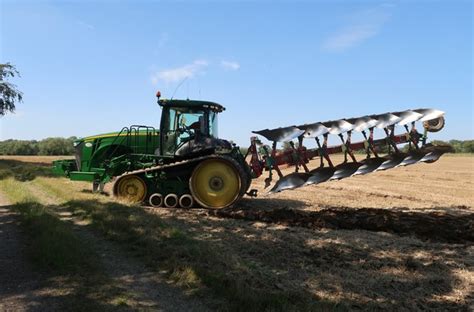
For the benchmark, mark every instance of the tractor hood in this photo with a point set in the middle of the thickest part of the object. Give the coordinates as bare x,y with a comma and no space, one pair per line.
101,136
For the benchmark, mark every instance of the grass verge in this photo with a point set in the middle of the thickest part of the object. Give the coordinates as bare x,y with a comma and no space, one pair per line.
53,245
15,191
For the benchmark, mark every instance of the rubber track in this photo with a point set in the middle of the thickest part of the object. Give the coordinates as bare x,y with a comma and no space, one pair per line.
188,161
159,167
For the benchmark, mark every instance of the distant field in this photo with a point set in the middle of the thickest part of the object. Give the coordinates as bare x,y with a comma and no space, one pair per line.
36,159
400,239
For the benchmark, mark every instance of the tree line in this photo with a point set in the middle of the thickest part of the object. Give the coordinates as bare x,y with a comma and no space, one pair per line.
49,146
459,146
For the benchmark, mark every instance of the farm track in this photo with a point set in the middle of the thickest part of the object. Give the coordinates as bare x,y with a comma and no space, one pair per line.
144,289
26,289
141,288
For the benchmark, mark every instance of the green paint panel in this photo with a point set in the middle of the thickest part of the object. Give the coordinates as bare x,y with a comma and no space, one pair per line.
83,176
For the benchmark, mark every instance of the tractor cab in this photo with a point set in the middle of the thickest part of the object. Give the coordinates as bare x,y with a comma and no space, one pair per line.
189,127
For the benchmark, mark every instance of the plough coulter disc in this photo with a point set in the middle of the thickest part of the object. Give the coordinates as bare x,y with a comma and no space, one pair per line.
434,125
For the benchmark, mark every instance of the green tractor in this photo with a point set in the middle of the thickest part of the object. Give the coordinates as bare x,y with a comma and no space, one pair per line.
185,163
181,163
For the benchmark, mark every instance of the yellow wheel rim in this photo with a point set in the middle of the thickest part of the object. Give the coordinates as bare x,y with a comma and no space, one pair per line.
215,183
131,188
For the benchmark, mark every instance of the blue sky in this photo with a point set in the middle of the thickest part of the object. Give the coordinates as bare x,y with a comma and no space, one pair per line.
94,66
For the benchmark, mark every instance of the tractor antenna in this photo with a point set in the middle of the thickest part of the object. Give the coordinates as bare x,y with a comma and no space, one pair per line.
187,89
179,85
199,87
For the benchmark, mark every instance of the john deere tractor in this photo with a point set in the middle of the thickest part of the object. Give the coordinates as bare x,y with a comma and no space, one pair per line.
181,163
185,163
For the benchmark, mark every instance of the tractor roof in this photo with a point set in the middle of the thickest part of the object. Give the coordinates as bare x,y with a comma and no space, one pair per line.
192,104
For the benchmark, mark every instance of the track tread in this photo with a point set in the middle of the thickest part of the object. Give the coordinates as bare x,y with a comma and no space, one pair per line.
245,179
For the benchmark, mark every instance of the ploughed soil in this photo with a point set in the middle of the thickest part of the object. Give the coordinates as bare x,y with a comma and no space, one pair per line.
431,201
436,226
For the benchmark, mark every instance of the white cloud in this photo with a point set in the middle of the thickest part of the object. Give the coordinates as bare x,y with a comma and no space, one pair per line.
178,74
86,25
364,25
350,37
229,65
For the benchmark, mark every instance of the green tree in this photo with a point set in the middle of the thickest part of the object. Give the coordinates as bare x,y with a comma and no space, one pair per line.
56,146
468,146
9,94
18,147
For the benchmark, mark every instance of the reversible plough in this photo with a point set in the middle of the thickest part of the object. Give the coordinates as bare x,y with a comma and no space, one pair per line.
299,156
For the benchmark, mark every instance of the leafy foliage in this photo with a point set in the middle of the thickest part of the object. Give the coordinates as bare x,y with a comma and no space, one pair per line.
56,146
49,146
466,146
9,94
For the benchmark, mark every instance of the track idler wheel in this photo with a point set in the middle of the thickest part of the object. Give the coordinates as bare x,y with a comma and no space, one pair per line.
131,189
186,201
215,183
171,201
156,200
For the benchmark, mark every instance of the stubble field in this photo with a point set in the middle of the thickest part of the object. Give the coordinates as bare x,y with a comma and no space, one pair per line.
397,240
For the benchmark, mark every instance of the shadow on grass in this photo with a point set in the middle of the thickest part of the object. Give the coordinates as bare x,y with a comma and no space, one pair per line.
249,268
23,171
191,262
254,273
